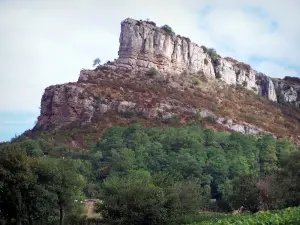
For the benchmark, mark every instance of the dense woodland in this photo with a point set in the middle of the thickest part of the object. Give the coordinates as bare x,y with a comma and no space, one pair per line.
147,176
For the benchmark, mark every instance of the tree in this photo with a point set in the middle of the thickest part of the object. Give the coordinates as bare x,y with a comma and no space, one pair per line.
97,62
67,184
16,177
139,199
244,192
286,184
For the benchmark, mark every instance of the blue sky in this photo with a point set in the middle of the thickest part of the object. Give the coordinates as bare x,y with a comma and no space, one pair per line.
47,42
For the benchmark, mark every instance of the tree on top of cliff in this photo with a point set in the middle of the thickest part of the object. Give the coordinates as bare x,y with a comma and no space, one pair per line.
168,29
97,62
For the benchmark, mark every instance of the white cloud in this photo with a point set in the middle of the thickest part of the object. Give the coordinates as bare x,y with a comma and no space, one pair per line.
48,42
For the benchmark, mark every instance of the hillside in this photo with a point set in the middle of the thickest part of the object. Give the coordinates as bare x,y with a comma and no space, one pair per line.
161,78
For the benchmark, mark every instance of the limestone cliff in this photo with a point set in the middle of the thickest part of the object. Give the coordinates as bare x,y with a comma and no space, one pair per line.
144,45
288,90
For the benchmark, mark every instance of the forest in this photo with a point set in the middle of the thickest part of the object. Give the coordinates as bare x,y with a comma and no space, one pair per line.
172,175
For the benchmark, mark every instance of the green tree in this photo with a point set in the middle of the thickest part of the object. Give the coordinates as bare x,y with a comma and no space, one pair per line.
137,199
286,184
16,177
96,62
66,183
245,192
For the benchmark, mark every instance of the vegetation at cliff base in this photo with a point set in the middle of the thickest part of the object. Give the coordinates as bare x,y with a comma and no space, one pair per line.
151,176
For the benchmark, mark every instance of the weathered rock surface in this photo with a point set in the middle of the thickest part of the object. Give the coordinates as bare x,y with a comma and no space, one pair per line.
288,90
144,45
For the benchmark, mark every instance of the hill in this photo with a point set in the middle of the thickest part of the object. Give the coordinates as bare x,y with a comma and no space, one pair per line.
162,78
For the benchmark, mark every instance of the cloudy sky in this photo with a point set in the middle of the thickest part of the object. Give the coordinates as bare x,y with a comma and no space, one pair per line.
45,42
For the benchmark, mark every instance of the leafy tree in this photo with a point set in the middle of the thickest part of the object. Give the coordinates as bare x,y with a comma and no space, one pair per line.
137,199
245,192
67,184
16,177
286,184
96,62
168,29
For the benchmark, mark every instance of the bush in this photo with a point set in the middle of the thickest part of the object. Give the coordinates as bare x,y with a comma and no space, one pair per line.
152,72
196,80
204,49
213,55
218,75
210,119
98,99
245,83
205,61
168,30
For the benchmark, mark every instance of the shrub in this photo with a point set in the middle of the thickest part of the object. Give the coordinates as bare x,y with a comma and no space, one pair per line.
204,49
97,62
210,119
196,80
245,83
218,75
205,61
98,99
152,72
213,55
168,30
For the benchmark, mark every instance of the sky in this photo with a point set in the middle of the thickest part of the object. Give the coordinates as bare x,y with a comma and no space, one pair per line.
47,42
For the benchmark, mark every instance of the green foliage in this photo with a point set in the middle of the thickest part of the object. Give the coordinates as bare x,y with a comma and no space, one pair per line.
168,30
283,217
286,185
139,198
245,192
210,119
96,62
213,55
204,48
98,99
196,81
148,176
152,72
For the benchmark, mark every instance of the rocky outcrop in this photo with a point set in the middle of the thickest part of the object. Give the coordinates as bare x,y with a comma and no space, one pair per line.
144,45
236,73
288,90
62,104
266,87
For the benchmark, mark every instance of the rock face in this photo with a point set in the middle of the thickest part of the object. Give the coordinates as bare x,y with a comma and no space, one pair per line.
144,45
288,90
236,73
266,87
